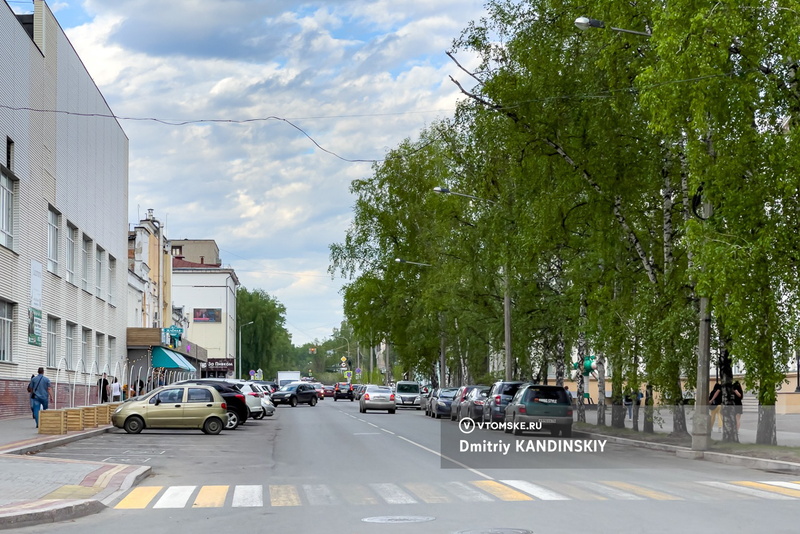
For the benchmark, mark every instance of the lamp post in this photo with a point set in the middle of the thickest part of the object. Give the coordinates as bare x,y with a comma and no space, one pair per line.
506,293
239,365
584,23
401,260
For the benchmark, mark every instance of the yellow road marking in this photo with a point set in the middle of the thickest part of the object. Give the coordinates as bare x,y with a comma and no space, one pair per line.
427,493
644,492
768,487
284,495
73,492
211,497
501,491
103,479
357,494
139,497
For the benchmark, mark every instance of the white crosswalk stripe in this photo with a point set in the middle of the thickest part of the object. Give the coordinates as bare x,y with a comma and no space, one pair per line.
611,493
467,493
392,494
748,491
175,497
248,496
533,490
319,494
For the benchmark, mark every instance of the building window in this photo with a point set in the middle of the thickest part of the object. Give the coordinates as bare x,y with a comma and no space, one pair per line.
6,309
9,154
53,220
69,349
112,277
86,347
72,243
177,250
86,262
98,272
98,352
7,186
112,347
52,341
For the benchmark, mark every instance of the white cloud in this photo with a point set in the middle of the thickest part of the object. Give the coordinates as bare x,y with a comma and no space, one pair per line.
358,76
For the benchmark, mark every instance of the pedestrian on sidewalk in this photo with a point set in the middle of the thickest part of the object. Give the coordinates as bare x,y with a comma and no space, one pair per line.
104,387
715,407
39,387
116,391
628,402
738,395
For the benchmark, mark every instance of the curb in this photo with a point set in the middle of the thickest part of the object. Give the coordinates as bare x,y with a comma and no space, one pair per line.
50,512
762,464
32,446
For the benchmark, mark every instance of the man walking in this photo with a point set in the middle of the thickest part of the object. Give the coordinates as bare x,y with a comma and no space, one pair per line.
39,387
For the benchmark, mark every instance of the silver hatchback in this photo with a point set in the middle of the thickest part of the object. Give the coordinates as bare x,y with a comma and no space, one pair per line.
377,398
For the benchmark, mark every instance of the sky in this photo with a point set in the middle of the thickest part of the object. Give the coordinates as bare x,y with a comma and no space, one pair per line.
298,88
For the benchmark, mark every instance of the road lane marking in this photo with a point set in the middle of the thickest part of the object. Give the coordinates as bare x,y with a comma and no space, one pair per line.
392,494
427,492
357,494
767,486
501,491
211,497
536,491
790,485
139,497
747,491
440,455
175,497
319,494
611,493
283,495
575,493
644,492
248,496
388,431
466,492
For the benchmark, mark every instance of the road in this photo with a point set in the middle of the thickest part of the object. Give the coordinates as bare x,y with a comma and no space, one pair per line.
329,466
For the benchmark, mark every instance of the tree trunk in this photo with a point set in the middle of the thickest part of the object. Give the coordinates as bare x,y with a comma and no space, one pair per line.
601,389
648,409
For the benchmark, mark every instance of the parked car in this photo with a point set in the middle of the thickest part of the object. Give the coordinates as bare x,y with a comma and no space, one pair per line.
440,402
377,398
472,406
494,410
358,390
329,391
407,394
343,390
539,407
252,395
461,394
173,406
238,411
266,400
296,393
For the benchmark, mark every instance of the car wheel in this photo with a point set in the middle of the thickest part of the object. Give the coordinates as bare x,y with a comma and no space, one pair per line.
335,399
391,411
352,399
506,426
133,424
517,430
419,407
259,415
313,401
361,410
293,402
437,415
566,431
212,426
233,420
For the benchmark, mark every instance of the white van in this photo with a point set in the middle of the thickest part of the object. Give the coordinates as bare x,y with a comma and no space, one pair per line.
407,394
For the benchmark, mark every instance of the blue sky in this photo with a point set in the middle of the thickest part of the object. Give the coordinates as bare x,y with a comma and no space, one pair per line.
358,76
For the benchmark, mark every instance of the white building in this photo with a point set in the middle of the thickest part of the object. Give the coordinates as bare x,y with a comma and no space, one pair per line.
63,214
208,293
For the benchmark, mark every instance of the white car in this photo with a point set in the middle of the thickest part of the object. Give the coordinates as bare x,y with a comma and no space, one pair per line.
252,394
266,401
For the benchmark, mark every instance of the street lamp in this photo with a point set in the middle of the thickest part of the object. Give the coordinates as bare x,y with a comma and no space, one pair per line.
239,366
506,291
401,260
584,23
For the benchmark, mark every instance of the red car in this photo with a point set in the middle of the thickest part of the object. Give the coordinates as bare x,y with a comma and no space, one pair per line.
320,390
328,391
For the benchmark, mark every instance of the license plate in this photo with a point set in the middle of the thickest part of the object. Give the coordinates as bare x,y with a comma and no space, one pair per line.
547,420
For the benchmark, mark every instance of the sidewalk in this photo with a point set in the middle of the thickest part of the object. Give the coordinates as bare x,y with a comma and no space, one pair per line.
37,490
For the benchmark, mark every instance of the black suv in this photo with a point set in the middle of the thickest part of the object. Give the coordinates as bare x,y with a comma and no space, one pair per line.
494,410
296,393
343,390
238,412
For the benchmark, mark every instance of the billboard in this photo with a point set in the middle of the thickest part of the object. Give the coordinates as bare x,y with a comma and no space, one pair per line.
208,315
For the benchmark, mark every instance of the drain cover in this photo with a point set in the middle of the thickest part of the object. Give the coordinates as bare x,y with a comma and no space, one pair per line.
398,519
495,531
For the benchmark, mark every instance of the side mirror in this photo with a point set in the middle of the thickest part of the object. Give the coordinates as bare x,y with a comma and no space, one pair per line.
158,401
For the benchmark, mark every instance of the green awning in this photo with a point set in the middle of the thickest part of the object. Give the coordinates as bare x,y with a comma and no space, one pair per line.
170,360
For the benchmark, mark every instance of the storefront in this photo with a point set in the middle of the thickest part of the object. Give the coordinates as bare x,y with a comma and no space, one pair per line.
217,368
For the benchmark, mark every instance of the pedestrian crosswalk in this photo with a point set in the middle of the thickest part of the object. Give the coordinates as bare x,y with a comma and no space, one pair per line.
474,491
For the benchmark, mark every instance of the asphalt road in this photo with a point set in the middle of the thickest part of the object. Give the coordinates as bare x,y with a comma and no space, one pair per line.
331,467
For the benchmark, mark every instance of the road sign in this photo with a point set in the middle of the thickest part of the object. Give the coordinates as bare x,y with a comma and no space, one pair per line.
252,373
358,370
349,374
343,365
343,358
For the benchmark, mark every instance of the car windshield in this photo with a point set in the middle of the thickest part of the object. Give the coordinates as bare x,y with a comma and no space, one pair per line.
408,388
547,396
509,389
289,387
448,393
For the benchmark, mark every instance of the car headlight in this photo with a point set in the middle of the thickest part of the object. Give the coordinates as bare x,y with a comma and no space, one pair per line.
119,409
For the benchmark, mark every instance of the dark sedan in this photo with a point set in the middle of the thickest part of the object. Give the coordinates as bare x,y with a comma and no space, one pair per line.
472,406
440,401
237,408
461,395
